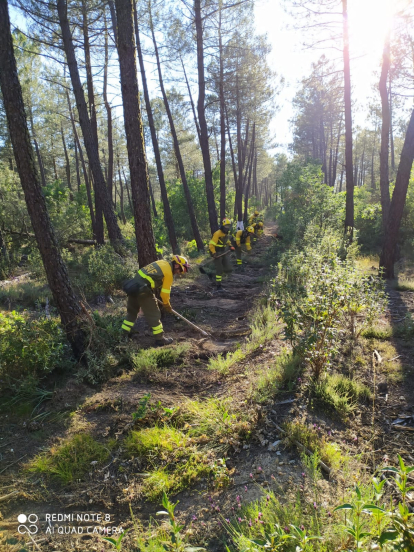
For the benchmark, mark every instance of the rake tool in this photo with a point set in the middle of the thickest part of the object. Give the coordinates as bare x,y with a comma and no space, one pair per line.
187,321
201,268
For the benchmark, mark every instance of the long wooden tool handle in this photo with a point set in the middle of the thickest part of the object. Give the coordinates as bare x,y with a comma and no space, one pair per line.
218,257
185,320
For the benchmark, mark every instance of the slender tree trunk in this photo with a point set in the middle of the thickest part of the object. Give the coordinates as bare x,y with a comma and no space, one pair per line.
56,271
398,201
108,115
222,126
113,21
121,194
39,157
385,134
323,147
91,145
330,183
77,166
391,128
342,177
191,213
349,203
129,197
67,165
233,162
53,158
191,100
205,150
138,169
99,225
168,218
250,166
85,172
335,163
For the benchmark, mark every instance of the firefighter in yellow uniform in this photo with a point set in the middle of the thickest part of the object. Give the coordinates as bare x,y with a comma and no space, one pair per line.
259,228
140,291
242,237
217,247
254,219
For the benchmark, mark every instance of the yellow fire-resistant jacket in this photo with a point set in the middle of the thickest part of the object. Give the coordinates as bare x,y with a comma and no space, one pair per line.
218,242
159,275
240,239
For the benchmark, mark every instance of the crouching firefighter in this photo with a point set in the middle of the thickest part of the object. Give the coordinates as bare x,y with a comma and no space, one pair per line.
242,237
217,247
140,290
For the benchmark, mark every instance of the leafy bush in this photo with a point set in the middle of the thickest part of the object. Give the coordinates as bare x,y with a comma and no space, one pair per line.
322,298
29,347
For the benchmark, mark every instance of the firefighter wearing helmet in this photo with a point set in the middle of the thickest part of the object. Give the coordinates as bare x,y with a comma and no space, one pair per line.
242,237
140,290
218,246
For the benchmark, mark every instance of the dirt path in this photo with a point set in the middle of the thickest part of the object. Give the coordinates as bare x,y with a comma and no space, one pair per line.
106,412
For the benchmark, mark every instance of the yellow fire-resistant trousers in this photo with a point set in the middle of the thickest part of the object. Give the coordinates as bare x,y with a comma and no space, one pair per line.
148,304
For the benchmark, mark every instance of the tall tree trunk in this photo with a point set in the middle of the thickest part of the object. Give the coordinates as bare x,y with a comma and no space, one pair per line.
113,21
250,166
349,203
56,271
108,115
335,163
85,172
329,182
134,133
233,162
168,218
391,129
77,166
39,157
323,151
205,150
385,134
129,197
191,213
398,201
67,165
91,145
191,100
99,225
222,126
121,194
53,158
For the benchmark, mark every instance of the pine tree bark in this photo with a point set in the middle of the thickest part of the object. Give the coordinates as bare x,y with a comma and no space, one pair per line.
205,150
121,194
402,180
99,225
168,218
191,99
134,133
108,115
349,202
222,125
385,134
82,159
39,157
191,212
78,181
391,129
56,271
129,196
67,162
91,145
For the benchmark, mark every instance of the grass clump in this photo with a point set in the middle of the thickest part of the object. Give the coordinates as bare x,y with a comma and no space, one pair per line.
156,442
283,373
264,328
70,460
147,360
339,393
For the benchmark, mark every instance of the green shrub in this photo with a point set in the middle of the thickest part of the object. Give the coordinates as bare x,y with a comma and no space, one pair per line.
339,393
147,360
29,347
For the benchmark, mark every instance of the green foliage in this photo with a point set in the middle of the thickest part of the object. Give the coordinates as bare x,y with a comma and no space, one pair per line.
322,296
29,348
283,373
71,459
339,393
307,199
147,360
31,294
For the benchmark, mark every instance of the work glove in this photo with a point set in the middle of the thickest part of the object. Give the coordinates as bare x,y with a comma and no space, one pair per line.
278,237
167,308
232,248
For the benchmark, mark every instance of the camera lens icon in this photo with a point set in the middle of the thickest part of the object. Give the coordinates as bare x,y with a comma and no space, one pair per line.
27,524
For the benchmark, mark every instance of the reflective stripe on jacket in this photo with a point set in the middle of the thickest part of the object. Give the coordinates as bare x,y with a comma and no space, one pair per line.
218,241
158,275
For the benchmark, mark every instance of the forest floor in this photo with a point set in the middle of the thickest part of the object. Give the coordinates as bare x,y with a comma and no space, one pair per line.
248,460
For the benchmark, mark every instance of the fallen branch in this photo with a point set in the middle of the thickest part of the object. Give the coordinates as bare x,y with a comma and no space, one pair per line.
325,468
32,236
12,464
7,496
402,428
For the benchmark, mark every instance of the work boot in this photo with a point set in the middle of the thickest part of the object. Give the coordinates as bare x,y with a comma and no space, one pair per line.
163,341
